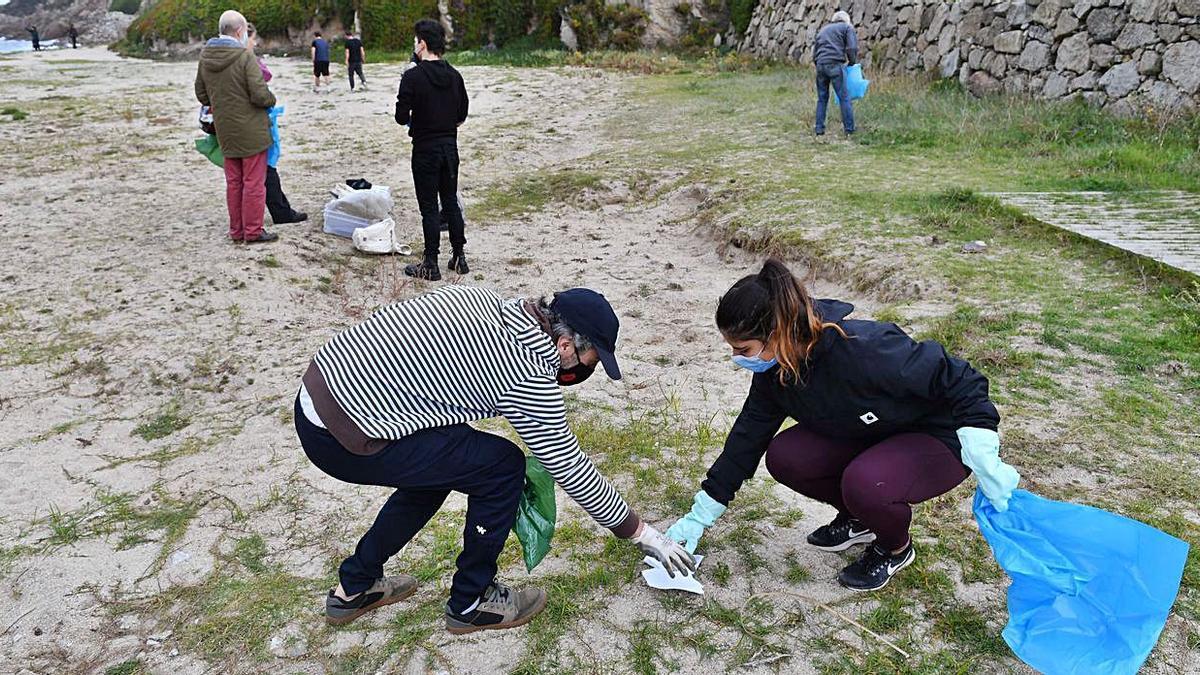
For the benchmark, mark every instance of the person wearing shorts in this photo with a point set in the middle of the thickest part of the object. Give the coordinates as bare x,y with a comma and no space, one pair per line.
320,59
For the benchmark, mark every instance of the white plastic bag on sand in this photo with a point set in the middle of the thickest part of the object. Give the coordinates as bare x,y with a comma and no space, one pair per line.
374,204
379,238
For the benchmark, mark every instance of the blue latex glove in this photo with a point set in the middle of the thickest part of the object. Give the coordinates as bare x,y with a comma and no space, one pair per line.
981,452
689,529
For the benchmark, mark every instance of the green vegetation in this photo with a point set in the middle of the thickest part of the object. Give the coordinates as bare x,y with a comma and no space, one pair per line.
130,7
387,24
167,421
14,114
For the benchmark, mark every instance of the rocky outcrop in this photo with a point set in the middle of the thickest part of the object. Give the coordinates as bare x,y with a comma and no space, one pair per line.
1126,55
96,25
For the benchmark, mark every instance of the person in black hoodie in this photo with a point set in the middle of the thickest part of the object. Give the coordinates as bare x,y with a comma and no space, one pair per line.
432,101
882,421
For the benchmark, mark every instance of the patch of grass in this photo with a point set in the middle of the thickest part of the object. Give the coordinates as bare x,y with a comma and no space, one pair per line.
14,114
251,552
130,667
529,193
890,616
270,261
968,629
165,422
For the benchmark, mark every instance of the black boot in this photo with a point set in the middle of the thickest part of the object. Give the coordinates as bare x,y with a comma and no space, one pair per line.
427,269
458,262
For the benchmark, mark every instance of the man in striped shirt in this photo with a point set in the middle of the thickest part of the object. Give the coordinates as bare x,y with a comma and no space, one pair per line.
389,401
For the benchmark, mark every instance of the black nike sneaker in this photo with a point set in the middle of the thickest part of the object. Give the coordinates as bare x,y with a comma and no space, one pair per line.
840,535
875,568
385,591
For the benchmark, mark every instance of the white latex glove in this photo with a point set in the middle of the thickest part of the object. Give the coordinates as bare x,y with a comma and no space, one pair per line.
981,452
674,558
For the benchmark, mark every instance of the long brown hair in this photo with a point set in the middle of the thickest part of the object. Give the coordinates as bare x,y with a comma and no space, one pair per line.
773,306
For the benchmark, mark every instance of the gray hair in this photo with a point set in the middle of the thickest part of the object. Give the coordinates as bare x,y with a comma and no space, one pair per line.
231,21
841,16
560,328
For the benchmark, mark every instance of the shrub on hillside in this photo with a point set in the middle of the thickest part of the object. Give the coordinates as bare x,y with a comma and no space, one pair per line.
598,25
125,6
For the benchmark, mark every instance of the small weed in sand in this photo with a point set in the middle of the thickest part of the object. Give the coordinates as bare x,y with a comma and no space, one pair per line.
166,422
130,667
14,114
270,261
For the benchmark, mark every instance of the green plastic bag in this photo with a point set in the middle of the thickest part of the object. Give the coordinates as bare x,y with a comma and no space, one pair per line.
536,514
209,147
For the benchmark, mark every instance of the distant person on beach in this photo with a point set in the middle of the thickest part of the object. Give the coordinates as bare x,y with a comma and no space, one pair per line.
277,202
432,102
74,35
231,83
36,37
320,59
356,55
835,46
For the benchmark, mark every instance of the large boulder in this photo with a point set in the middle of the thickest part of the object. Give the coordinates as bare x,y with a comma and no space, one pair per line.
1073,54
1188,7
1105,24
1035,56
1009,42
982,84
1056,86
1146,10
1135,35
1047,13
1067,24
1121,80
1181,65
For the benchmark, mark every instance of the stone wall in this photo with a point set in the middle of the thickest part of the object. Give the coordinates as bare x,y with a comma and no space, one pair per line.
1125,55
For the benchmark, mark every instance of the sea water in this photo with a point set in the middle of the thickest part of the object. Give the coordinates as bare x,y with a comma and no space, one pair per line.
8,45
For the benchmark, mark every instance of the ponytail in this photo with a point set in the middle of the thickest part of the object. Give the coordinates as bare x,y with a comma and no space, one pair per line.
774,306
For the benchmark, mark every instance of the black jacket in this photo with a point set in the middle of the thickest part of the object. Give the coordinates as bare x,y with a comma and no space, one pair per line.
433,98
877,383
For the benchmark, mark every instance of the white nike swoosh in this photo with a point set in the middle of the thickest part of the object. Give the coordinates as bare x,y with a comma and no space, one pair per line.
854,534
892,570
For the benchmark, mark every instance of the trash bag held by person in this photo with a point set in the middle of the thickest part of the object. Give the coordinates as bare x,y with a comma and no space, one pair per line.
835,45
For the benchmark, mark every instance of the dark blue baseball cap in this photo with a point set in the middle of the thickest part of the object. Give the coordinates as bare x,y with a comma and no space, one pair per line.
590,315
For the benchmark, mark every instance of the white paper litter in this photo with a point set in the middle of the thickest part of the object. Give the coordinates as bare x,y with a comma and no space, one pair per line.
657,577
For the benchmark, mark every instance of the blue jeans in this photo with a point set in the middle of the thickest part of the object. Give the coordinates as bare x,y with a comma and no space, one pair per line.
424,467
831,74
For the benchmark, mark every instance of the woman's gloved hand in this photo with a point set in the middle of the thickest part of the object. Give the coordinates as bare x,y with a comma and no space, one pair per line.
688,529
981,452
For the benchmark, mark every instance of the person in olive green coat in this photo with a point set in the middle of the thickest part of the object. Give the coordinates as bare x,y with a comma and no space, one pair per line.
230,82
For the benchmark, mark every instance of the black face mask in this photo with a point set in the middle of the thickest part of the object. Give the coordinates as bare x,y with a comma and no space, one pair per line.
575,374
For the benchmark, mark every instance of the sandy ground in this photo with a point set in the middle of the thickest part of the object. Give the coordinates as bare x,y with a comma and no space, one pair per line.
121,296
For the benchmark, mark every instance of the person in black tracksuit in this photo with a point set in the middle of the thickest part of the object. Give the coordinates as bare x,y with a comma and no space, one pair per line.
878,416
432,101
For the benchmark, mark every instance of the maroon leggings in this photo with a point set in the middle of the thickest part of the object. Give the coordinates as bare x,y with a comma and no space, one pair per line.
873,483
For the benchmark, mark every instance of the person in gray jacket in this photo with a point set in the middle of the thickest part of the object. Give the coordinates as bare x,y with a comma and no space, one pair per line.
835,46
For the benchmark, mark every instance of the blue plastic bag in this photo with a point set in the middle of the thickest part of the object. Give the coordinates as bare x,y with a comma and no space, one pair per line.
273,151
1090,590
856,84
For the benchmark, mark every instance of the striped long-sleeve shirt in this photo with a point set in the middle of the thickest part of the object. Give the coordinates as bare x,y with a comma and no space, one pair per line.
457,355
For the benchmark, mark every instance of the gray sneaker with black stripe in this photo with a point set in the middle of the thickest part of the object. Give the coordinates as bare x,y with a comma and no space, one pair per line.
385,591
500,607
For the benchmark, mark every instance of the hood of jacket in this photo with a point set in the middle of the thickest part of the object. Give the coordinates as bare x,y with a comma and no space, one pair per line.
438,72
220,52
832,311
